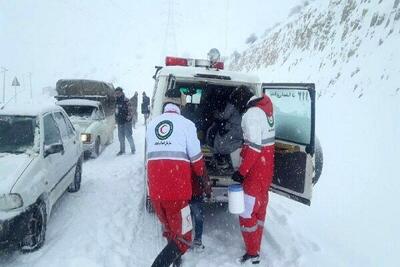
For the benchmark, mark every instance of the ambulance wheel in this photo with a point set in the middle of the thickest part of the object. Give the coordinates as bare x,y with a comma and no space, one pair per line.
319,161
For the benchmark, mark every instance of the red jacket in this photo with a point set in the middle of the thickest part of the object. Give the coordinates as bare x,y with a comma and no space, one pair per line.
258,150
173,152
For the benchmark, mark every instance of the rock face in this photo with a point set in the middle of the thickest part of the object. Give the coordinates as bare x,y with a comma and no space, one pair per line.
341,45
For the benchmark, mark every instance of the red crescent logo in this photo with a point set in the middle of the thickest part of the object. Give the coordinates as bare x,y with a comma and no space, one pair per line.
162,129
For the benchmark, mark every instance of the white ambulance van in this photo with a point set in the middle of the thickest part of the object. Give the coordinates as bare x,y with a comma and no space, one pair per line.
206,87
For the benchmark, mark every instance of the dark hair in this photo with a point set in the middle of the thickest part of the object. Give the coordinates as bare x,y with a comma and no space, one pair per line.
118,89
239,98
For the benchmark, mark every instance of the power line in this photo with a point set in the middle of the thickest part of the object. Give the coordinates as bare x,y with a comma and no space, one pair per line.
170,34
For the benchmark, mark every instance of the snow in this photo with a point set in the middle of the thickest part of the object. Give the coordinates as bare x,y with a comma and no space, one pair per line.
191,72
353,217
352,220
107,41
29,107
11,167
95,226
78,102
28,110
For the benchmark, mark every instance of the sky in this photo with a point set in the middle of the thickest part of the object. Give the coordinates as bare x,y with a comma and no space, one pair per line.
121,41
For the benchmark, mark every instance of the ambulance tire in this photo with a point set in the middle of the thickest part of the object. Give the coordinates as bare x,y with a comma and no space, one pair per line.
319,160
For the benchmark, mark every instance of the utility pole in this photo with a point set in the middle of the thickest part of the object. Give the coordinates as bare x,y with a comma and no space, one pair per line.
15,83
3,70
170,45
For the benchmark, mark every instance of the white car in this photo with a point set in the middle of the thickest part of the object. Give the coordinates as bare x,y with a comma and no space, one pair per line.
40,158
88,117
206,89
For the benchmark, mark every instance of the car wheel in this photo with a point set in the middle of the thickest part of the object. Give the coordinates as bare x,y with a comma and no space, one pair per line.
36,222
319,160
76,184
86,155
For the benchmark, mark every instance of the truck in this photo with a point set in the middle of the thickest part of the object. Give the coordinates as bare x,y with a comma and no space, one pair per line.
90,106
207,87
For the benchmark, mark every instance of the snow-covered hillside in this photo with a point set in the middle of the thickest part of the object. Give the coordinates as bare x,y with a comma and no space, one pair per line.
350,50
341,45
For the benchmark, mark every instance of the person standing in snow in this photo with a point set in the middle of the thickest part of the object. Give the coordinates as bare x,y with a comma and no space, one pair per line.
201,187
173,153
257,167
145,107
123,118
134,104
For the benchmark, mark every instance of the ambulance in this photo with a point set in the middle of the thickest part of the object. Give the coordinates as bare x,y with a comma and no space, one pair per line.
205,86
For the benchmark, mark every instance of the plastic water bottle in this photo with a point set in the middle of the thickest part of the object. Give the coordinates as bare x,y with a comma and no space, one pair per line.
236,199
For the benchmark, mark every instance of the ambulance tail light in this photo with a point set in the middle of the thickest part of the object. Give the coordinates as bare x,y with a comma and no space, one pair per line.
176,61
218,65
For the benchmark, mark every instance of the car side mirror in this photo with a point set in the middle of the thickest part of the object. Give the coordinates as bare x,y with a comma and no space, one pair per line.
53,149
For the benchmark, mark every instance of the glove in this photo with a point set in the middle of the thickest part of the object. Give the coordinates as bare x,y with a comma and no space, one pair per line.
237,177
205,185
207,190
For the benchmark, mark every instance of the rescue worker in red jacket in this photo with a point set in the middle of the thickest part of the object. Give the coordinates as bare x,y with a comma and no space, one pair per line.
257,167
173,152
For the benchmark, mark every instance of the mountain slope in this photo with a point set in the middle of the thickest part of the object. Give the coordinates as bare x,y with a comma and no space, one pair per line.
340,45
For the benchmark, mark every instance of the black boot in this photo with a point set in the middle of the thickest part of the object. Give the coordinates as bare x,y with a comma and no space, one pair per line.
253,259
177,262
167,256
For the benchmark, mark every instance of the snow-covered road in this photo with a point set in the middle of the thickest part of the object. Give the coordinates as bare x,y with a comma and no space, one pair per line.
351,221
95,227
105,224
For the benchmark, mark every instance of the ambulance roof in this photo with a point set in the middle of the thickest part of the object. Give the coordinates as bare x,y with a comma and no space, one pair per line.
192,72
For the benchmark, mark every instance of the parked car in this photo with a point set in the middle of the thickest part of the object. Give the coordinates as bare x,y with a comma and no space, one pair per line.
206,88
40,159
95,128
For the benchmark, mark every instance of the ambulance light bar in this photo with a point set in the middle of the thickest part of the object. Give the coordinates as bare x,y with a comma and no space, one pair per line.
186,62
218,65
176,61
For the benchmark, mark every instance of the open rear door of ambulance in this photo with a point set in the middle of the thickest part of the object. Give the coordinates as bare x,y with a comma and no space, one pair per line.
294,110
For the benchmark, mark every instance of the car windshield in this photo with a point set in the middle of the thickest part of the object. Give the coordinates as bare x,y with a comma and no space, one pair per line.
80,112
17,133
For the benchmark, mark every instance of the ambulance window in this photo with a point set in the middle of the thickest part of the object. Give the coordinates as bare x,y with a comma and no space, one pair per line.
192,98
292,110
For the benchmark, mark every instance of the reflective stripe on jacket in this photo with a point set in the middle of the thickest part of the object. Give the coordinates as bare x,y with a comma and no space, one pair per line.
173,152
257,154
